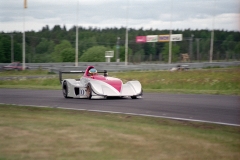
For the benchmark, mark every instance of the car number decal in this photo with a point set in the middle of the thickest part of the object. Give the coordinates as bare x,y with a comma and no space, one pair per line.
82,91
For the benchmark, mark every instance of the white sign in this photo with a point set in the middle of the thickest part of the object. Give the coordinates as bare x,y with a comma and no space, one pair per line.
152,38
176,37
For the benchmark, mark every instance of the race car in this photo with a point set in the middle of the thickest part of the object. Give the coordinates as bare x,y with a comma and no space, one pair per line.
14,66
93,85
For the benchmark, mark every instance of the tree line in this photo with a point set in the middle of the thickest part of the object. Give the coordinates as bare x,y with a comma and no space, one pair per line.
58,45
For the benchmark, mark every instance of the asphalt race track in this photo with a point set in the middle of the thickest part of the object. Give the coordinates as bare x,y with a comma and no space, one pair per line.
207,108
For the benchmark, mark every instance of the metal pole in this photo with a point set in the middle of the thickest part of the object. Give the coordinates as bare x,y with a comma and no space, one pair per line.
170,48
126,41
76,54
23,56
12,49
190,47
117,55
126,47
212,35
198,56
211,46
170,40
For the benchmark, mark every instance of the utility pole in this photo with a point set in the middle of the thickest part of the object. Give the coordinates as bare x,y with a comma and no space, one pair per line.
170,39
23,56
126,48
126,40
197,39
190,47
12,48
212,36
76,53
198,55
211,46
117,55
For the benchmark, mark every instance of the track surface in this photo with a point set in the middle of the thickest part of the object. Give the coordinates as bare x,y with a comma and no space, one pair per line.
211,108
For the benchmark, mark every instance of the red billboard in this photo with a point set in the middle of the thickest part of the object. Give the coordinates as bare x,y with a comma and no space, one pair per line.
141,39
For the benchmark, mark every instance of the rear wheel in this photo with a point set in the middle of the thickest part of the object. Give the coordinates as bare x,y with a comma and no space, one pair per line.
89,91
65,89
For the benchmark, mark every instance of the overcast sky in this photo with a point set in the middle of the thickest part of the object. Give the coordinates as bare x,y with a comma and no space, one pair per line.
155,14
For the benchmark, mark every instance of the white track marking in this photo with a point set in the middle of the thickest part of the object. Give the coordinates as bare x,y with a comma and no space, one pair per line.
133,114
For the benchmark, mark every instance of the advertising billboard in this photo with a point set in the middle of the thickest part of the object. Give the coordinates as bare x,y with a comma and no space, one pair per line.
163,38
152,38
140,39
159,38
176,37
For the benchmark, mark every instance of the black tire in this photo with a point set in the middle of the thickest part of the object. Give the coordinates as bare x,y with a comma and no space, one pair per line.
89,92
65,89
135,97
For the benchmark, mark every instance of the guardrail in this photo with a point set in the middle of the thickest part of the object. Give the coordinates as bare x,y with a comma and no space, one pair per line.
120,66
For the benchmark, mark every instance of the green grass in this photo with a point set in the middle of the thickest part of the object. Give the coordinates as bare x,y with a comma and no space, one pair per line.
210,81
25,72
205,81
46,133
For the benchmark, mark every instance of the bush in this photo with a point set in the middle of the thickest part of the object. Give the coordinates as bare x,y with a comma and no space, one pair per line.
94,54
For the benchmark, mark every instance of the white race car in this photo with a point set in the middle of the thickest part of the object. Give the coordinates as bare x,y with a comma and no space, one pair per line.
92,85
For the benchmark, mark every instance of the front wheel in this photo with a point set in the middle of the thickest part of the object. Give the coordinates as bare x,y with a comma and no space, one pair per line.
135,97
89,91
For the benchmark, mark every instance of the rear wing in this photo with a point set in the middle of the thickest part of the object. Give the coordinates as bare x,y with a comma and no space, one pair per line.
77,72
68,72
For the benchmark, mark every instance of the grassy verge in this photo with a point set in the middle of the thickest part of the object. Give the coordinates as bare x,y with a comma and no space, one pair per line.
45,133
24,73
206,81
210,81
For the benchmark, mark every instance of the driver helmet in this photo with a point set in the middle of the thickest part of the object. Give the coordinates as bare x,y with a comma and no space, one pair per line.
92,71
